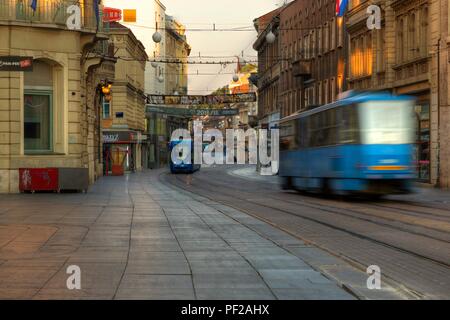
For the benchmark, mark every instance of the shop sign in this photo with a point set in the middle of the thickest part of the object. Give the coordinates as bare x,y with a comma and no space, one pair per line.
16,63
112,14
120,137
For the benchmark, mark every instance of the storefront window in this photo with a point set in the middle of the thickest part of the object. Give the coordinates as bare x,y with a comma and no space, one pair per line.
423,141
37,121
38,109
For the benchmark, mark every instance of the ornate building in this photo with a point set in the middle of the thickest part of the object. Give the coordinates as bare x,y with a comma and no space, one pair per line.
305,65
48,115
268,66
124,116
405,56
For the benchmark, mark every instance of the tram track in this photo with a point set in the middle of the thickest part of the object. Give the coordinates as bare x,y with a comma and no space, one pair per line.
239,199
330,210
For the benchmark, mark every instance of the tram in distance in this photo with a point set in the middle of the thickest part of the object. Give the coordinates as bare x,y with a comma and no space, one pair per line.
361,144
184,160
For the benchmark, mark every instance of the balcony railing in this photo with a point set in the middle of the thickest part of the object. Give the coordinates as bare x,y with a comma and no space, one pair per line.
51,12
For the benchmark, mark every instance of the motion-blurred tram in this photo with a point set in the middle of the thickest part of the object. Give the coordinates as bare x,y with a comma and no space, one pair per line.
361,144
184,161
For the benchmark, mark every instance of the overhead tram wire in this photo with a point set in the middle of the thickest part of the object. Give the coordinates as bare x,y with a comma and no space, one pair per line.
215,29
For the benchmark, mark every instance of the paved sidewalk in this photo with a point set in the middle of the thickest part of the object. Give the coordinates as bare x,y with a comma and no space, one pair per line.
135,238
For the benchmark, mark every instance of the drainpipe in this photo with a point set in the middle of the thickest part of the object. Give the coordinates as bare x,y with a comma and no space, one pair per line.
438,180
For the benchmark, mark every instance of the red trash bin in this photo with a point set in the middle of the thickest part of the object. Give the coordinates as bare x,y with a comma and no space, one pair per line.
38,179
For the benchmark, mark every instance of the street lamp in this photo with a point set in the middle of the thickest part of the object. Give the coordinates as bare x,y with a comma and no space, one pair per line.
157,37
270,37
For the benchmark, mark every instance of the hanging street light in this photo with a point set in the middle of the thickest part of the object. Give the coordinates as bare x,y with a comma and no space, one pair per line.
270,37
157,37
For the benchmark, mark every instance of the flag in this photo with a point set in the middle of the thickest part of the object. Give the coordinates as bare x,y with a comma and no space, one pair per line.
96,11
341,5
33,5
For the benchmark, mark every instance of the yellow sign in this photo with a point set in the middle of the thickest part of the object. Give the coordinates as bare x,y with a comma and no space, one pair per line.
129,15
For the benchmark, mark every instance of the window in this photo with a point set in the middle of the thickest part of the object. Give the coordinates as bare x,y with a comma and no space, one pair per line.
333,34
288,136
400,41
106,109
349,127
381,50
412,36
423,31
37,121
38,109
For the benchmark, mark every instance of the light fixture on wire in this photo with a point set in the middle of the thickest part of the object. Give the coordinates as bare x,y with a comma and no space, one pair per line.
157,37
270,37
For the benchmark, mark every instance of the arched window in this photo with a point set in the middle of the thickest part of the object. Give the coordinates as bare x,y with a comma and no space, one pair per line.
412,46
400,41
423,31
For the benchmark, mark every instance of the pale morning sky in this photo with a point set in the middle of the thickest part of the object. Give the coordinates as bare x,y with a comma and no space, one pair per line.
225,14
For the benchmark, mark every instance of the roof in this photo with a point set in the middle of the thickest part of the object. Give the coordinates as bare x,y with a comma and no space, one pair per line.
264,20
116,26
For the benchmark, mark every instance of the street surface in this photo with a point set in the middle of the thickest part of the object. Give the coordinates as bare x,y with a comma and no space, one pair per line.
222,233
406,236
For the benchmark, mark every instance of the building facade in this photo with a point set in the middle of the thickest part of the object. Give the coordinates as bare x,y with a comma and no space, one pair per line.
305,64
247,116
150,18
124,116
407,56
269,67
161,126
316,55
312,55
177,51
46,117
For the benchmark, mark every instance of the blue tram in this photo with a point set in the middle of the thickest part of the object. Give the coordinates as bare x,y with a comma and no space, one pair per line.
184,162
363,143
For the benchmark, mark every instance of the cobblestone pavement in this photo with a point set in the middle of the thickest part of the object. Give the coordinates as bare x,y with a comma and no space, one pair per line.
136,238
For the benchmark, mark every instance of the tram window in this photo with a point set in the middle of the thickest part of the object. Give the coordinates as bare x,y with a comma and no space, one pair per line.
302,132
349,129
315,126
288,136
331,130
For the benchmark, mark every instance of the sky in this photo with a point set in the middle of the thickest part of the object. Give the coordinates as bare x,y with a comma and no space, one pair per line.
202,14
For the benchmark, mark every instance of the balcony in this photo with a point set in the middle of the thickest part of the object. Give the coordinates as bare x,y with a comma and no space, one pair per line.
50,14
302,68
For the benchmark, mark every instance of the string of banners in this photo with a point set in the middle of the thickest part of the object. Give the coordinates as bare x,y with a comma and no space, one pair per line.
174,111
197,100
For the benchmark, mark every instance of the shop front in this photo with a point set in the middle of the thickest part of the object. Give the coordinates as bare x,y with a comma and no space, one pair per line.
122,152
423,139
